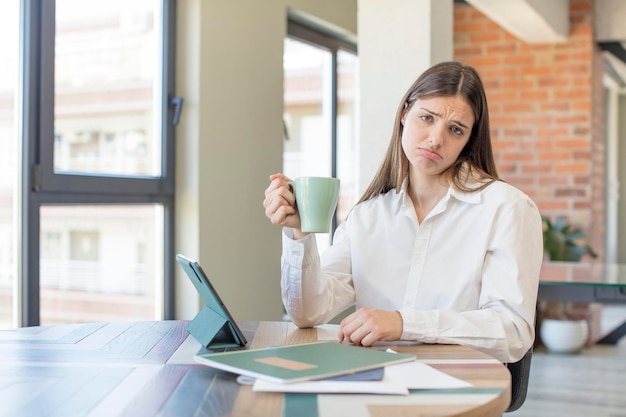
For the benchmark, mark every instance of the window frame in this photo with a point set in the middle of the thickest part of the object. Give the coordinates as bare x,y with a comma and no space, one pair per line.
40,185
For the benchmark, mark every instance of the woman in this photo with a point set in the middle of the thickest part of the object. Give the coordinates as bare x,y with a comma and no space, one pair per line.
438,249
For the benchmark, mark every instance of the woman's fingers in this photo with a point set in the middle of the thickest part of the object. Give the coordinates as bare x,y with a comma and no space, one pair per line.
280,202
366,326
278,211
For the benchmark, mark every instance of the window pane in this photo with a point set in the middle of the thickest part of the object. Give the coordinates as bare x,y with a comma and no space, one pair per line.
107,78
307,93
347,162
9,52
101,263
307,146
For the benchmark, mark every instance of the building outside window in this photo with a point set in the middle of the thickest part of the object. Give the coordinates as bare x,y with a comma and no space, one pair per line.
9,67
85,131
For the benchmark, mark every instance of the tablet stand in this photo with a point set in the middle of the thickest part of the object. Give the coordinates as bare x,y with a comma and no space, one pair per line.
212,330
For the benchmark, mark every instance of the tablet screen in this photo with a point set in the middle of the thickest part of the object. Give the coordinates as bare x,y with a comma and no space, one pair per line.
214,313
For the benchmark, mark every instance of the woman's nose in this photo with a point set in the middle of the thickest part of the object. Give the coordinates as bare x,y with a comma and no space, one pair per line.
436,137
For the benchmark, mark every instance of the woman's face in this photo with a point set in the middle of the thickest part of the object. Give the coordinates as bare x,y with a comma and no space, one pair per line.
435,131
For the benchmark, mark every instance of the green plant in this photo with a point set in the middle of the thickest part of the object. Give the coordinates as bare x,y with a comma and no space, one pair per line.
564,242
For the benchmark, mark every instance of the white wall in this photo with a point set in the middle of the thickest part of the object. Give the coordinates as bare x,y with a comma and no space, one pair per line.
609,23
397,41
229,140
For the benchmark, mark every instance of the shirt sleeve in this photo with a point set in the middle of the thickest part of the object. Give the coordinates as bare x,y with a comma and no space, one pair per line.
504,324
310,295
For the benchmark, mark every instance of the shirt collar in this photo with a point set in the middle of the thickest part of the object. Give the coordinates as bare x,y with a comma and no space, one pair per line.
474,197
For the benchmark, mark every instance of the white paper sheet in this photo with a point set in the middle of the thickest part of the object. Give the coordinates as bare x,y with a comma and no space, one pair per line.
418,375
398,379
333,387
327,332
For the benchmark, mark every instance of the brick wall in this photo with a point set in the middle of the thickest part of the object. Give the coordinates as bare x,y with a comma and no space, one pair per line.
546,110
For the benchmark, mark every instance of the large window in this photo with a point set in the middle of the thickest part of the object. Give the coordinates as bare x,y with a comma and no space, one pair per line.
9,64
320,76
98,161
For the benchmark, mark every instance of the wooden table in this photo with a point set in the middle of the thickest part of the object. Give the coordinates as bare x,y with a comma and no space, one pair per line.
146,369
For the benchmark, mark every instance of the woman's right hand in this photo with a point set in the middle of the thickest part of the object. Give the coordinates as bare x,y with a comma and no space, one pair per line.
280,203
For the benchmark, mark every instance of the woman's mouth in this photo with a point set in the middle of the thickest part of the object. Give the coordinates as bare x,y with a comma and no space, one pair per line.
430,154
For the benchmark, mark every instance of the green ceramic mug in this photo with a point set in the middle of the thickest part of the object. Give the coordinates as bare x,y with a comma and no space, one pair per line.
316,198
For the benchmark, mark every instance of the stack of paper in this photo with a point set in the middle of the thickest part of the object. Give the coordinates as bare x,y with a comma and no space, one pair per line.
303,362
398,379
307,368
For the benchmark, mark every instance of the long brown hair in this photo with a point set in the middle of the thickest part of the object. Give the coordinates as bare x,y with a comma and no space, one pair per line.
475,160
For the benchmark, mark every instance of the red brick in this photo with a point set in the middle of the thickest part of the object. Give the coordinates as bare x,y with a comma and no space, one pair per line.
572,167
468,50
518,131
502,95
525,107
518,59
571,94
518,156
544,82
572,143
483,61
582,106
536,168
499,72
560,106
554,156
504,120
553,180
552,131
486,37
570,192
572,118
506,48
558,205
539,95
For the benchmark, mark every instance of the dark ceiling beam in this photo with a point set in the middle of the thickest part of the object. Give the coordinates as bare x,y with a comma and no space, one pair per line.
614,47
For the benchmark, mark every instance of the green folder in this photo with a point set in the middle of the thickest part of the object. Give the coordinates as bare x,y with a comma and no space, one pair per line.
303,362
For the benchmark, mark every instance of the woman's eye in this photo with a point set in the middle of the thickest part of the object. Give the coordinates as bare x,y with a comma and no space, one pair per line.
457,131
425,117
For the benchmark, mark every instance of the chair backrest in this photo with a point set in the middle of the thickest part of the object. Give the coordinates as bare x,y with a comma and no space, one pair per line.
520,371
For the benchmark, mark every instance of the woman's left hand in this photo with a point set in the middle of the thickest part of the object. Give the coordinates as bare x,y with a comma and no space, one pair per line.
366,326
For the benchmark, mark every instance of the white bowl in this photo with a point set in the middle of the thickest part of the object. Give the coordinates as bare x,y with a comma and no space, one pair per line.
564,336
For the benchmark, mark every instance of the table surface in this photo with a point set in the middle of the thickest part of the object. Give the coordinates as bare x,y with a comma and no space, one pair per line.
583,273
147,369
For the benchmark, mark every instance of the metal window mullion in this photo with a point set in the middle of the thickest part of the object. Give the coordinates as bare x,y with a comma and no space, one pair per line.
333,124
168,157
28,251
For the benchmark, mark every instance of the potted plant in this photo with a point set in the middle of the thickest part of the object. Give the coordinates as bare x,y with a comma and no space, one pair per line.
559,330
564,242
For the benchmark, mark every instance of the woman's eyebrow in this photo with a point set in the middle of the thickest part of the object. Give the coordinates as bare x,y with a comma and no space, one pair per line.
458,122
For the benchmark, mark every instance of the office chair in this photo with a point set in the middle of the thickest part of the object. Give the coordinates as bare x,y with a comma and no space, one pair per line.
520,371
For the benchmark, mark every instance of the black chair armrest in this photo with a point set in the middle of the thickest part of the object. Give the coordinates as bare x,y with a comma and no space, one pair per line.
520,373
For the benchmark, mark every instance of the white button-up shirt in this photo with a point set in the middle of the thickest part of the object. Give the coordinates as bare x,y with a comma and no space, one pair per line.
468,274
